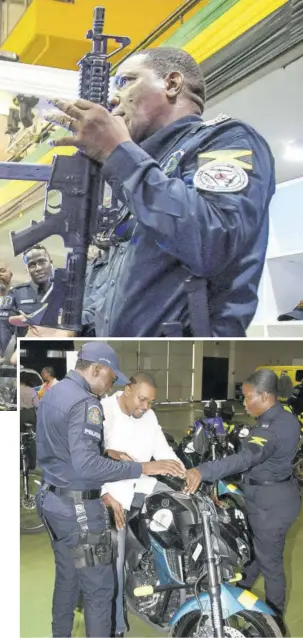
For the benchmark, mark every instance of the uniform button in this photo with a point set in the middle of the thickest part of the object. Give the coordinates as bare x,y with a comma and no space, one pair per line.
106,320
112,283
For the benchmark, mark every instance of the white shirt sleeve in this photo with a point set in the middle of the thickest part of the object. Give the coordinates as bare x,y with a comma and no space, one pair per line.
162,451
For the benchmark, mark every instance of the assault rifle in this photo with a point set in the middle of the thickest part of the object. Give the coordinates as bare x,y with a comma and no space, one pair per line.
79,180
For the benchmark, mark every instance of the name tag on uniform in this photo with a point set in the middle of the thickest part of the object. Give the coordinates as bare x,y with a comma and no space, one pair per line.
27,301
93,433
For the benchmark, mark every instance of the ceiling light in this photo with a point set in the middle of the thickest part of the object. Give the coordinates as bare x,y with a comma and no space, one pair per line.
294,152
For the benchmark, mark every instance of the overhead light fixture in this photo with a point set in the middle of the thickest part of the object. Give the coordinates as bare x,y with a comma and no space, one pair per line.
40,81
294,151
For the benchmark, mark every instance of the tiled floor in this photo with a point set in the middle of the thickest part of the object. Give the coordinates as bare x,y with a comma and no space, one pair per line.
37,568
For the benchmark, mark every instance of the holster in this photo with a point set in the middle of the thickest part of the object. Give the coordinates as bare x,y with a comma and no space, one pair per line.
197,296
92,548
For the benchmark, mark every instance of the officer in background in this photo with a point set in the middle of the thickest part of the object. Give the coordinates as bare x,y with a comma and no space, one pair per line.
70,453
271,493
7,308
30,296
285,387
95,284
187,213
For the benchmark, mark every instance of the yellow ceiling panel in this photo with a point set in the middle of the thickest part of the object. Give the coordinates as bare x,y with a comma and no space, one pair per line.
52,33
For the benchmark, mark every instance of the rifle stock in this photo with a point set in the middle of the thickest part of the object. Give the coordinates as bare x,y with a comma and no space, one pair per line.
79,181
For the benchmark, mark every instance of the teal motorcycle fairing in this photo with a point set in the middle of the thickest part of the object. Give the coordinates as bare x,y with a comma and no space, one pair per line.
233,601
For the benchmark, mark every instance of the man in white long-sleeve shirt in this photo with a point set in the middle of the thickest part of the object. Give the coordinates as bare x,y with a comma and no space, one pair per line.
131,431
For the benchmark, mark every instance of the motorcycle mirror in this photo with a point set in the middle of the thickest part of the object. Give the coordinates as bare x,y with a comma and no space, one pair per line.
200,441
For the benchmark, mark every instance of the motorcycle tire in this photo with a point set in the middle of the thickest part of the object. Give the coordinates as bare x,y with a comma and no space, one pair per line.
30,523
264,624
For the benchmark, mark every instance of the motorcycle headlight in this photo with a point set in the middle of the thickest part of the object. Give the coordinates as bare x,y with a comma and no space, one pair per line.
162,520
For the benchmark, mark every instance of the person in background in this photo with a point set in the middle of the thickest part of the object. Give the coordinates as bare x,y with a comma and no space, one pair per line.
285,387
49,379
70,453
131,433
28,401
30,296
28,395
7,309
271,492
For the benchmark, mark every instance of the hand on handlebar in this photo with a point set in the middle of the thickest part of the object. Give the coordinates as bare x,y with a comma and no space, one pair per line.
174,468
193,480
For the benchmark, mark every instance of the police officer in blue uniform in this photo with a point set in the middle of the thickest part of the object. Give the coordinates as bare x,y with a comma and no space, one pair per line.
7,308
271,492
95,283
188,222
70,453
31,295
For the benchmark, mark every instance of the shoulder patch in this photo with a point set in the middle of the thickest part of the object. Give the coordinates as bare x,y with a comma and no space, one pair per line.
6,301
92,433
170,164
223,171
94,415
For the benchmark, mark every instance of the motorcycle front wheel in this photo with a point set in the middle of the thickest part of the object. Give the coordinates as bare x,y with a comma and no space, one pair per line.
30,523
246,624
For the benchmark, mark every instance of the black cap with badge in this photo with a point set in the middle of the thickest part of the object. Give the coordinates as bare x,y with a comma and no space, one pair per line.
104,354
295,314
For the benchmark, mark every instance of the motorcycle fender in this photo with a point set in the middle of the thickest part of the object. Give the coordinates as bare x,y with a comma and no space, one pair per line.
228,488
233,600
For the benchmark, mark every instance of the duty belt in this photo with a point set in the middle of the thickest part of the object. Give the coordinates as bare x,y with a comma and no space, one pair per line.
86,494
249,481
92,548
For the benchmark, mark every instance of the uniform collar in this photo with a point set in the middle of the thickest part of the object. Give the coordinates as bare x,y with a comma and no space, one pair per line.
270,414
75,376
157,142
36,287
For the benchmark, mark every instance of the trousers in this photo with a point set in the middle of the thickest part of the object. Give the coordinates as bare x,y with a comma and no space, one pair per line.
271,511
96,583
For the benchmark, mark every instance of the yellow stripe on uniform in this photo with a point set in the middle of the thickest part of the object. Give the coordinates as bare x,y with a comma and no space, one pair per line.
247,599
257,440
232,488
233,156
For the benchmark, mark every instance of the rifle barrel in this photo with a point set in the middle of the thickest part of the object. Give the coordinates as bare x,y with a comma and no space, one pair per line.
25,172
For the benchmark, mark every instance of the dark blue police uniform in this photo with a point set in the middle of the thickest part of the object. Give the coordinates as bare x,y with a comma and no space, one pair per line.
271,493
199,194
95,283
7,310
69,444
29,298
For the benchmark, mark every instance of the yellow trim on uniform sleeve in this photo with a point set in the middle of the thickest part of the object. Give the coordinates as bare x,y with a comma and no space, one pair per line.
233,156
258,440
232,488
247,599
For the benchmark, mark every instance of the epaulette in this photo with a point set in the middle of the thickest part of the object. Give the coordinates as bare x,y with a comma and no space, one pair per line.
218,120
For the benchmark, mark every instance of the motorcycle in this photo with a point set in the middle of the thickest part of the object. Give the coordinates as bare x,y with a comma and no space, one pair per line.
179,571
222,439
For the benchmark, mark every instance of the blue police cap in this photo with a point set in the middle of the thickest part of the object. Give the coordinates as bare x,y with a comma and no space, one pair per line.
104,354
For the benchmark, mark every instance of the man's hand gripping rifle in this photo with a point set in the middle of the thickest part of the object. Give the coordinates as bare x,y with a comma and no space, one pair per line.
79,181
